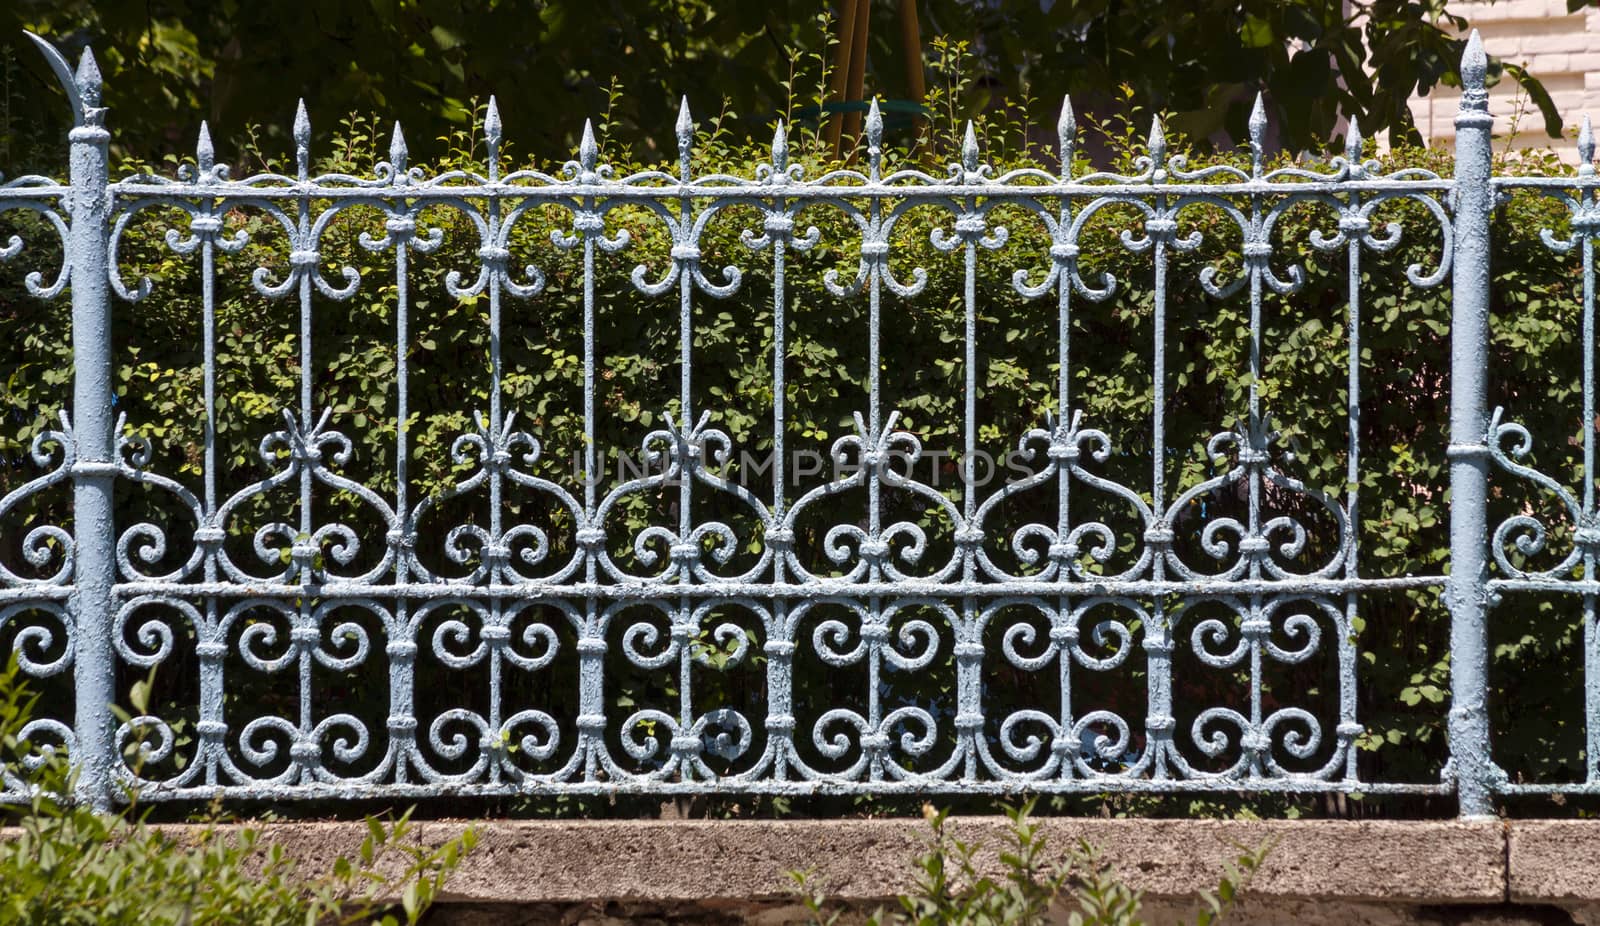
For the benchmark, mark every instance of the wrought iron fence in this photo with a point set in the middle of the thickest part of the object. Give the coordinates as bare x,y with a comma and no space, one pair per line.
884,595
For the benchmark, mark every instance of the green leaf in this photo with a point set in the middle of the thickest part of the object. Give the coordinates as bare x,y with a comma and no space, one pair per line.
1539,95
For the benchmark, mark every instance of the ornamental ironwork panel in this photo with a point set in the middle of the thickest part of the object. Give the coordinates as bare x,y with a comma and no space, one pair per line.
537,620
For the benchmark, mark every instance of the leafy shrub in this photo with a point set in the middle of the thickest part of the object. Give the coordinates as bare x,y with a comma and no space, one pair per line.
1035,888
69,865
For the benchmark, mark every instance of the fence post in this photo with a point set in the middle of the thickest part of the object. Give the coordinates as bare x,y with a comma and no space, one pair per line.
1467,594
92,604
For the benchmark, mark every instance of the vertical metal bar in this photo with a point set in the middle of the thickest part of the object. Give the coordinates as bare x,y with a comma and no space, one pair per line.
877,245
1063,253
304,633
497,428
1467,594
401,649
1591,661
969,647
306,267
874,632
208,648
683,630
591,474
592,648
94,469
1161,231
591,642
969,644
1159,720
400,227
779,647
1348,727
1256,627
1591,655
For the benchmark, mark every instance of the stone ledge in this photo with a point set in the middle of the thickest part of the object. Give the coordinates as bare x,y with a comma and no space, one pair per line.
866,860
1380,872
1554,861
863,861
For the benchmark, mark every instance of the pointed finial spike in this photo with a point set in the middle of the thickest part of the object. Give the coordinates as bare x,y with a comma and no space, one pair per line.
685,135
874,124
1353,141
1158,140
88,78
1586,144
588,150
397,149
491,123
685,124
969,148
780,147
1474,63
302,126
205,153
1258,120
302,139
1066,129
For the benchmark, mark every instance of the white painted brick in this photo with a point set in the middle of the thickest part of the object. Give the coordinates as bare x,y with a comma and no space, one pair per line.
1549,63
1577,38
1503,46
1512,9
1560,47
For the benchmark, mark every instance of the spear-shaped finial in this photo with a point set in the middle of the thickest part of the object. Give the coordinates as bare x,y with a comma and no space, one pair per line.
302,137
1474,63
780,148
492,133
1585,147
88,79
397,150
492,130
204,153
685,135
1066,135
874,137
1353,142
588,150
1158,142
1258,129
969,148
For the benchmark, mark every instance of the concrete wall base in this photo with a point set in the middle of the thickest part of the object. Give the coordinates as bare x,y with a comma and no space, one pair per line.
1350,873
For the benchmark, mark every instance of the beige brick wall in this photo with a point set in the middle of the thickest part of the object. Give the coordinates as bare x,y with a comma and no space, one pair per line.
1562,49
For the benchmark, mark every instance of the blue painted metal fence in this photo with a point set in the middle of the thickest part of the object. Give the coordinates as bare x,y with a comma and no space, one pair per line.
100,605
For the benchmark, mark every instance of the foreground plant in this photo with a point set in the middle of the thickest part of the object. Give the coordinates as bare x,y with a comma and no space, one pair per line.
66,864
952,889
